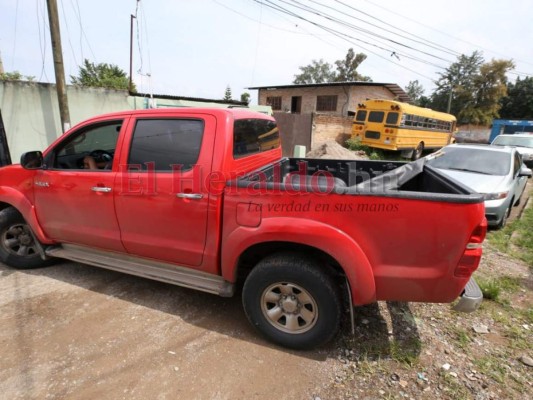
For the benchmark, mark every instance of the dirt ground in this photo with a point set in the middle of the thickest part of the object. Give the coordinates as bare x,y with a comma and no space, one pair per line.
73,331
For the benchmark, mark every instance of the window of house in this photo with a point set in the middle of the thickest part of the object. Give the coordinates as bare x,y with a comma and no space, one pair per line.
274,102
326,103
166,142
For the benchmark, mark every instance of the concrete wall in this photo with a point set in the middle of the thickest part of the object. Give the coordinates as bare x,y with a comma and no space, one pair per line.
295,129
348,97
30,112
472,134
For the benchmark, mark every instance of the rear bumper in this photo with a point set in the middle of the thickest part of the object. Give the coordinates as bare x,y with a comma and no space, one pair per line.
470,299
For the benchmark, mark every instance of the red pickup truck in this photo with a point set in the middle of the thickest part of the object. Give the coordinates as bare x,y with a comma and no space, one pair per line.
202,198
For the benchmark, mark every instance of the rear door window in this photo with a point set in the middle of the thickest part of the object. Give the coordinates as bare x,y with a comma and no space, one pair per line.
251,136
165,143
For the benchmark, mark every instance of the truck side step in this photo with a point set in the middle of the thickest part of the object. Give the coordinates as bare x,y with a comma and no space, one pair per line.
145,268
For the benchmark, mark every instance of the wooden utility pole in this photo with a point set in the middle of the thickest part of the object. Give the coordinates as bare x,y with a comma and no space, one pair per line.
58,64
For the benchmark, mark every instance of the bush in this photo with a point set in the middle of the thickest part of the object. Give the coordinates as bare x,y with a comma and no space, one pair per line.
355,145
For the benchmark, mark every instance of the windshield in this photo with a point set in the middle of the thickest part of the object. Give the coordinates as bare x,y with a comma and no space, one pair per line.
473,160
514,141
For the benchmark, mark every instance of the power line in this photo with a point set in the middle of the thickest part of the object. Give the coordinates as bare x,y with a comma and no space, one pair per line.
422,40
68,34
441,32
42,39
338,34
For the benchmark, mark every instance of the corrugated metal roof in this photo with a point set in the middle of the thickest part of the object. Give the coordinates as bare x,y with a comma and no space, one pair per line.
392,87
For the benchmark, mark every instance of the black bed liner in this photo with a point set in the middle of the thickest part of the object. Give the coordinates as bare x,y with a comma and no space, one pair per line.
363,177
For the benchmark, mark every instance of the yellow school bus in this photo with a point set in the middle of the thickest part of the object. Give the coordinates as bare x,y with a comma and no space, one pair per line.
392,125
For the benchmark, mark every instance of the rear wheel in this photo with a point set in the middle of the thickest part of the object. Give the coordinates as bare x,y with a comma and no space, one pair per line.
18,247
292,301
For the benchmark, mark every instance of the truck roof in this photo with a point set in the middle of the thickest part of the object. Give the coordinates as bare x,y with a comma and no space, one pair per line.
237,113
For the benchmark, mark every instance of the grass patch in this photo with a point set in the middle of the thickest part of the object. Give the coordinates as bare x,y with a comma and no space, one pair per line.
495,288
490,288
406,351
373,154
521,234
524,237
462,338
491,367
454,388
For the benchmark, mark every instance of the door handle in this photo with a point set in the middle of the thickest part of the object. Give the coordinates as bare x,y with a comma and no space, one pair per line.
101,189
195,196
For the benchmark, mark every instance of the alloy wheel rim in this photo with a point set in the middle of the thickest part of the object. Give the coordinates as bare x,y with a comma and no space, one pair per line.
289,307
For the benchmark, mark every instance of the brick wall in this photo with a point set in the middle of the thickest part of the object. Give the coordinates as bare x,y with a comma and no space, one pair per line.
348,97
330,127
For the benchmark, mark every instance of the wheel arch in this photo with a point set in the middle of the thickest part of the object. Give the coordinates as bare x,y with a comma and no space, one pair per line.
10,197
242,250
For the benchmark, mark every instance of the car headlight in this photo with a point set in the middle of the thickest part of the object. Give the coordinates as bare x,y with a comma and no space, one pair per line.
495,196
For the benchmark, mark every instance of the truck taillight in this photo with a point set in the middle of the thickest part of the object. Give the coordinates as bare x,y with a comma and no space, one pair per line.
472,255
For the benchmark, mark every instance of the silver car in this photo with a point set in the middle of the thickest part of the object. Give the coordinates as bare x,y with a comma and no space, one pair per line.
523,143
495,171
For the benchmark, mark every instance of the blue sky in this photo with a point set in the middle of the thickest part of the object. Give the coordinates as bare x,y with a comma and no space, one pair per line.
197,48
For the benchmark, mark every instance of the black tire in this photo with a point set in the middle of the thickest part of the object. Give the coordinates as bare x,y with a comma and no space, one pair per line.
417,153
293,301
506,215
17,244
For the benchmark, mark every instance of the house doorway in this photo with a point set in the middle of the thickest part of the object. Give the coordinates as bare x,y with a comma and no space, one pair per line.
296,104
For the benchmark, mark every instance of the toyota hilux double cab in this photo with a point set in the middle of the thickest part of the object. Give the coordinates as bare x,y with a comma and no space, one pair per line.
202,198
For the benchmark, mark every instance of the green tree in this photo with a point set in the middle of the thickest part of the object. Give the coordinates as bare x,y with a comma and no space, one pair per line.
101,75
245,97
490,86
316,72
415,91
518,104
476,88
347,68
15,76
227,94
458,79
320,71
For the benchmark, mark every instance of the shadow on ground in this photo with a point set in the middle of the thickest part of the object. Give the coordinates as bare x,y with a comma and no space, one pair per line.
373,335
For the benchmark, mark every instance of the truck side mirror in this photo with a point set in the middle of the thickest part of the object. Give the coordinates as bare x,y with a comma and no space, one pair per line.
32,160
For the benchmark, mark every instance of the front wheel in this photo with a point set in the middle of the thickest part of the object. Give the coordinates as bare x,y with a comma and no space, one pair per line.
506,215
18,248
292,301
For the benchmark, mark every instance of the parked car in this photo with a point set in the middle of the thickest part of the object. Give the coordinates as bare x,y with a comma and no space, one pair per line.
523,143
202,198
497,172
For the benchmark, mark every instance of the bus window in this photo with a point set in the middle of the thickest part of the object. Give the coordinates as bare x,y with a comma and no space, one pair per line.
376,116
392,118
361,116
